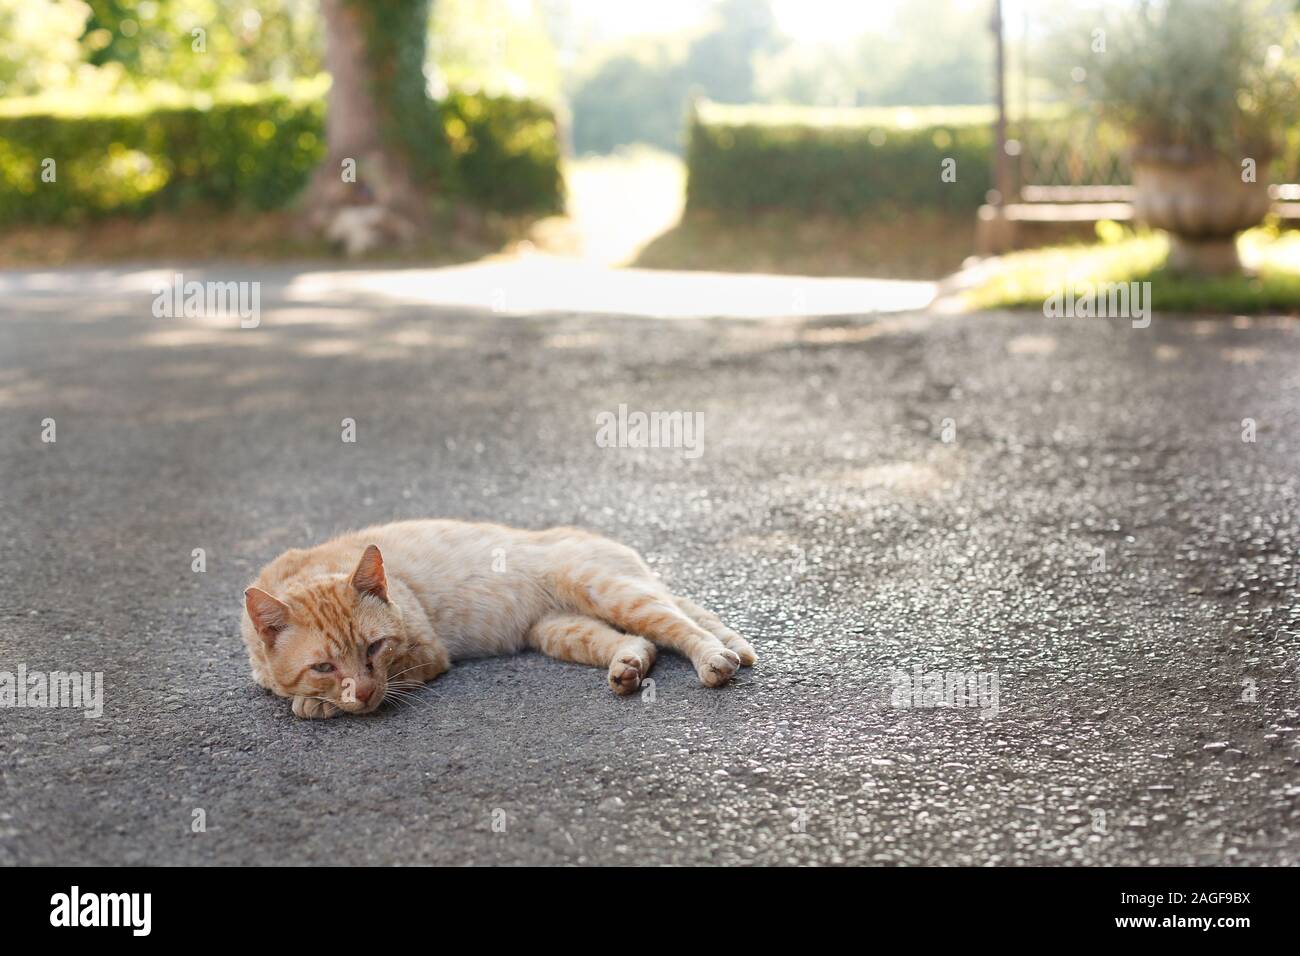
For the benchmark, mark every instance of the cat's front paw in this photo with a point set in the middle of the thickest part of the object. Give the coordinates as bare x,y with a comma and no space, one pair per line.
313,708
715,668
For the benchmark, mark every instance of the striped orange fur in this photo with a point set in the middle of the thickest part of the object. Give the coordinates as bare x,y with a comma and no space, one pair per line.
341,626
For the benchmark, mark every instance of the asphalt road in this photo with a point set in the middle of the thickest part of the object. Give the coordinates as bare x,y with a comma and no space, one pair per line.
1095,535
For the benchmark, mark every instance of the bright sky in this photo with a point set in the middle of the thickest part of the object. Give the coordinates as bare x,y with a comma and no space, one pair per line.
801,19
630,17
828,19
832,19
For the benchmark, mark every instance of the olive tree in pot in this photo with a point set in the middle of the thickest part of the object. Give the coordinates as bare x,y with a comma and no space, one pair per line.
1205,89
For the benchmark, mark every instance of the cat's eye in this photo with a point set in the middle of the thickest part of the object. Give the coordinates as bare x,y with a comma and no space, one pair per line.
374,647
322,668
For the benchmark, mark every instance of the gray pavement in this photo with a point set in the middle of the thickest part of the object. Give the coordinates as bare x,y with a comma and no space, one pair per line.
1096,534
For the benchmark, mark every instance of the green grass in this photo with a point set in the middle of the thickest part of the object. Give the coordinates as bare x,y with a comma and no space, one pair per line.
926,244
1271,282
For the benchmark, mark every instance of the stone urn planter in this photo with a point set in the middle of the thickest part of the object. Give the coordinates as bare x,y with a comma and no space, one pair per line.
1202,202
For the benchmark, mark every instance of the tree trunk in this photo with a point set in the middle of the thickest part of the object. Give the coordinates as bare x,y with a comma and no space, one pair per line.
384,145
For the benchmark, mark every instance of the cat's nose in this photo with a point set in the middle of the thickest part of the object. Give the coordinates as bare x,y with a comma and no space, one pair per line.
364,691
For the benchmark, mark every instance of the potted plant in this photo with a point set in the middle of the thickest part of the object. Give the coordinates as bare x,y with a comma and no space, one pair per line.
1205,89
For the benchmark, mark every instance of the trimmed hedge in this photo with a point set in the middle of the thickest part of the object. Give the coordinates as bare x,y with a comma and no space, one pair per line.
850,161
506,152
844,161
248,148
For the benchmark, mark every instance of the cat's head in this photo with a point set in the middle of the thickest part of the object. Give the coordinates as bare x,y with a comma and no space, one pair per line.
336,639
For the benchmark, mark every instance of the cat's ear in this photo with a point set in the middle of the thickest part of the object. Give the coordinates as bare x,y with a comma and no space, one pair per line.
369,577
268,615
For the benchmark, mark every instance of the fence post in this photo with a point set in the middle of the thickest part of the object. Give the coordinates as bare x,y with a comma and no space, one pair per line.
994,232
1001,161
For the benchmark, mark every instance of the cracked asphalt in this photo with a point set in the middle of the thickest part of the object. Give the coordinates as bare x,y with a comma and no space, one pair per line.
1067,505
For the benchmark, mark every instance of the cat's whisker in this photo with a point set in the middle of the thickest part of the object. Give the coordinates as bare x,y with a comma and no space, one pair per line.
410,699
397,692
408,687
405,691
411,668
410,705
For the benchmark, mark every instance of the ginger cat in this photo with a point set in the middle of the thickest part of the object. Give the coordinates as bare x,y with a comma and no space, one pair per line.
339,626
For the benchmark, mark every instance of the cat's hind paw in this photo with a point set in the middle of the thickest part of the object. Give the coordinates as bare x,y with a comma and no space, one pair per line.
716,667
629,667
743,649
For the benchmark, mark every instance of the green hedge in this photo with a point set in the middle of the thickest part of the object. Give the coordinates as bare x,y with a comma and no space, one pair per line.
853,160
506,152
248,148
850,161
738,160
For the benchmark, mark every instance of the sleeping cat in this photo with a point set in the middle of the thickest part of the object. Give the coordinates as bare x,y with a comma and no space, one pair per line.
339,626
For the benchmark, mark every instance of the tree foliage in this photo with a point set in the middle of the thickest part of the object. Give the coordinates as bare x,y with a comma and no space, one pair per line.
201,44
40,45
